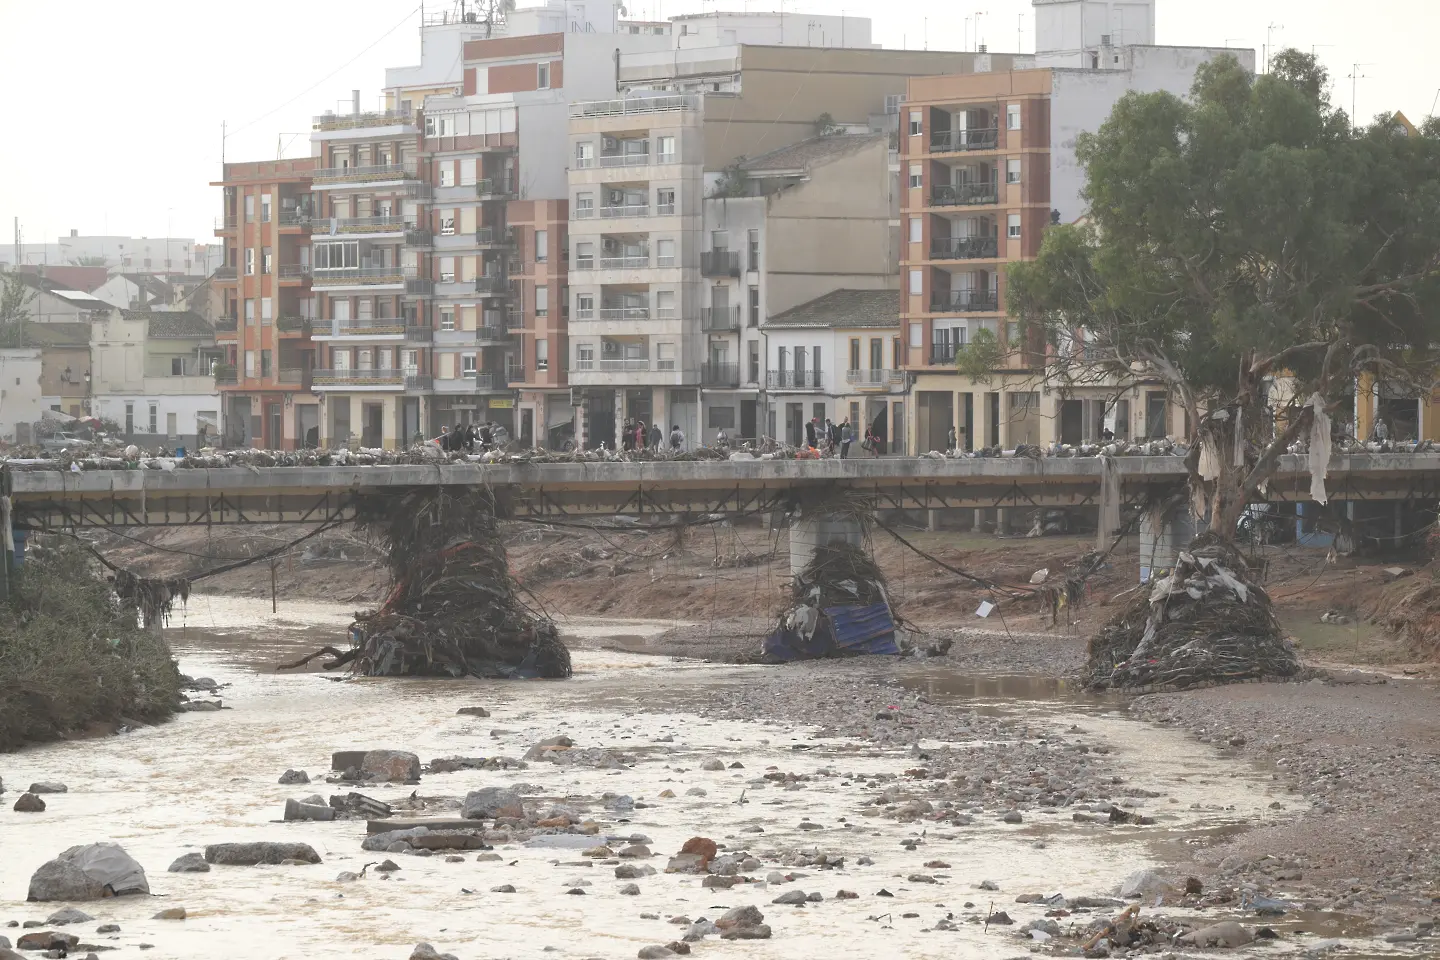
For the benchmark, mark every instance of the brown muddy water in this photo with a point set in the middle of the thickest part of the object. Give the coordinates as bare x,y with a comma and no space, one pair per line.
211,777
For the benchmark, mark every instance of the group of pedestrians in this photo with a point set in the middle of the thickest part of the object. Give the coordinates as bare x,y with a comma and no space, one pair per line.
634,435
826,438
469,437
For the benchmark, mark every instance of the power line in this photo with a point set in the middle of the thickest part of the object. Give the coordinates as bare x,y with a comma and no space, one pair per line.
327,76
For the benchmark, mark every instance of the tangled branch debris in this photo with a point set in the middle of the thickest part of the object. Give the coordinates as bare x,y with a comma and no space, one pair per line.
1206,622
454,610
153,598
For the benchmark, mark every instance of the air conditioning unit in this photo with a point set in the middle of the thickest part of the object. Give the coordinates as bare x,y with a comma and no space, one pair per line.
457,91
1104,39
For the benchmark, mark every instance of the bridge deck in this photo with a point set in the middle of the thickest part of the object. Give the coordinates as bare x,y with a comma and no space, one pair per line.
152,496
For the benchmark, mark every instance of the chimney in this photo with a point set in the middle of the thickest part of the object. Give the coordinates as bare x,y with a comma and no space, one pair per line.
355,102
74,232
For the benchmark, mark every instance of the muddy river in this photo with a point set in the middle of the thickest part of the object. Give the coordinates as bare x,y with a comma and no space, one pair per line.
211,777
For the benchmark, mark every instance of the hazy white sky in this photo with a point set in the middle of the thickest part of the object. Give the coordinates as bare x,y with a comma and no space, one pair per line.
116,107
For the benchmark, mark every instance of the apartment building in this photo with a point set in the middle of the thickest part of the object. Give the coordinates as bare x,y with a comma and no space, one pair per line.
266,306
989,161
151,372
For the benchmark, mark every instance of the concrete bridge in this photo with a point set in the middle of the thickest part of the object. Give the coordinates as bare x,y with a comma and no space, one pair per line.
152,496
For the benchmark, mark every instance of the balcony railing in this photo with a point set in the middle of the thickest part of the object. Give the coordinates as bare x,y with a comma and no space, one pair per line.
294,271
873,378
495,188
370,173
720,374
337,225
357,378
295,376
942,352
964,194
630,365
963,248
377,328
293,324
965,301
495,237
491,333
625,160
227,324
226,374
515,373
224,273
295,217
514,320
356,121
494,284
624,211
419,381
419,286
417,237
634,262
793,379
664,209
357,275
954,141
624,313
719,263
225,223
720,319
629,106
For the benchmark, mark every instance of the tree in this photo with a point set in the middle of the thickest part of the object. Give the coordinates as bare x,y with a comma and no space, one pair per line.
1244,239
15,299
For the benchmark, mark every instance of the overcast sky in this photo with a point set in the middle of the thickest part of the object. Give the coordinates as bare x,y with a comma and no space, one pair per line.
116,107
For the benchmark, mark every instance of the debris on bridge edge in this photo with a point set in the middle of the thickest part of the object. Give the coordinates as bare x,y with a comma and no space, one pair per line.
841,609
454,610
1207,622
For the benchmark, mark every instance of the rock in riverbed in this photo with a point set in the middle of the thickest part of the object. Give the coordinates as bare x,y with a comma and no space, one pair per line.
69,915
290,777
491,803
29,803
252,854
190,863
49,786
88,873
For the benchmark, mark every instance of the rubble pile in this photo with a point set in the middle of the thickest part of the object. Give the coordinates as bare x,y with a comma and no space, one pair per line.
1206,622
454,610
840,608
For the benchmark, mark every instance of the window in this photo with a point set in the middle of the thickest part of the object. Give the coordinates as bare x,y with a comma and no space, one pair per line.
447,318
542,354
854,353
154,417
542,246
917,176
267,261
1012,226
265,363
585,255
753,320
877,353
1012,116
666,149
410,362
916,127
1012,332
722,418
249,208
439,127
249,261
752,242
337,256
584,205
364,309
542,301
585,356
917,283
665,201
664,356
129,417
917,336
249,311
665,253
897,354
447,226
815,361
584,155
542,76
781,357
267,310
1012,170
447,173
799,362
249,363
665,305
585,306
447,269
752,373
917,230
467,173
719,240
467,365
365,359
177,366
265,208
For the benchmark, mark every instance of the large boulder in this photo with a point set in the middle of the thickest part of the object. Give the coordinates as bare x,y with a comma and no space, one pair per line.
492,803
251,854
89,872
396,766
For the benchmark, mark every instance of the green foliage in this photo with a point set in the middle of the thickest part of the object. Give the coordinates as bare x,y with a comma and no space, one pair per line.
825,126
733,182
15,299
88,261
71,657
982,355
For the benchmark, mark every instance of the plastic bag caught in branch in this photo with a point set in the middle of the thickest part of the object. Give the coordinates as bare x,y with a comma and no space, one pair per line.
1319,449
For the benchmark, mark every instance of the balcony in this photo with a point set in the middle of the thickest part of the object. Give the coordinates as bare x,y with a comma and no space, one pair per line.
493,285
226,375
965,194
294,271
419,381
719,263
417,237
294,217
334,226
419,287
514,320
792,379
623,212
352,379
874,379
638,261
943,352
720,319
515,373
629,365
965,301
958,141
291,377
495,188
227,325
720,374
625,159
372,173
472,381
225,273
635,106
963,248
359,121
357,276
225,224
623,313
300,325
495,237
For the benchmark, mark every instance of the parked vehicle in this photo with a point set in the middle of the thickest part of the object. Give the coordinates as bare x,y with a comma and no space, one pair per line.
61,440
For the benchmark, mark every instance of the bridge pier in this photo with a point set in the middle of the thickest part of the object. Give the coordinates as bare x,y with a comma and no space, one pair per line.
809,533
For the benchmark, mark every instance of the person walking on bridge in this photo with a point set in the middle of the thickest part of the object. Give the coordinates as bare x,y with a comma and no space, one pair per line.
847,434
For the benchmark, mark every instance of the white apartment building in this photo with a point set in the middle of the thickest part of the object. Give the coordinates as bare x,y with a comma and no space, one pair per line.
151,373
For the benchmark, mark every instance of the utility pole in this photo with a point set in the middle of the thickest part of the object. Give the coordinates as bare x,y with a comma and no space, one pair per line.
1355,77
1019,31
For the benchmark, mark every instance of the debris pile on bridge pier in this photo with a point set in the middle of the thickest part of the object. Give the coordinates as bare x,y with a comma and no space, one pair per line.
1205,623
454,609
841,608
